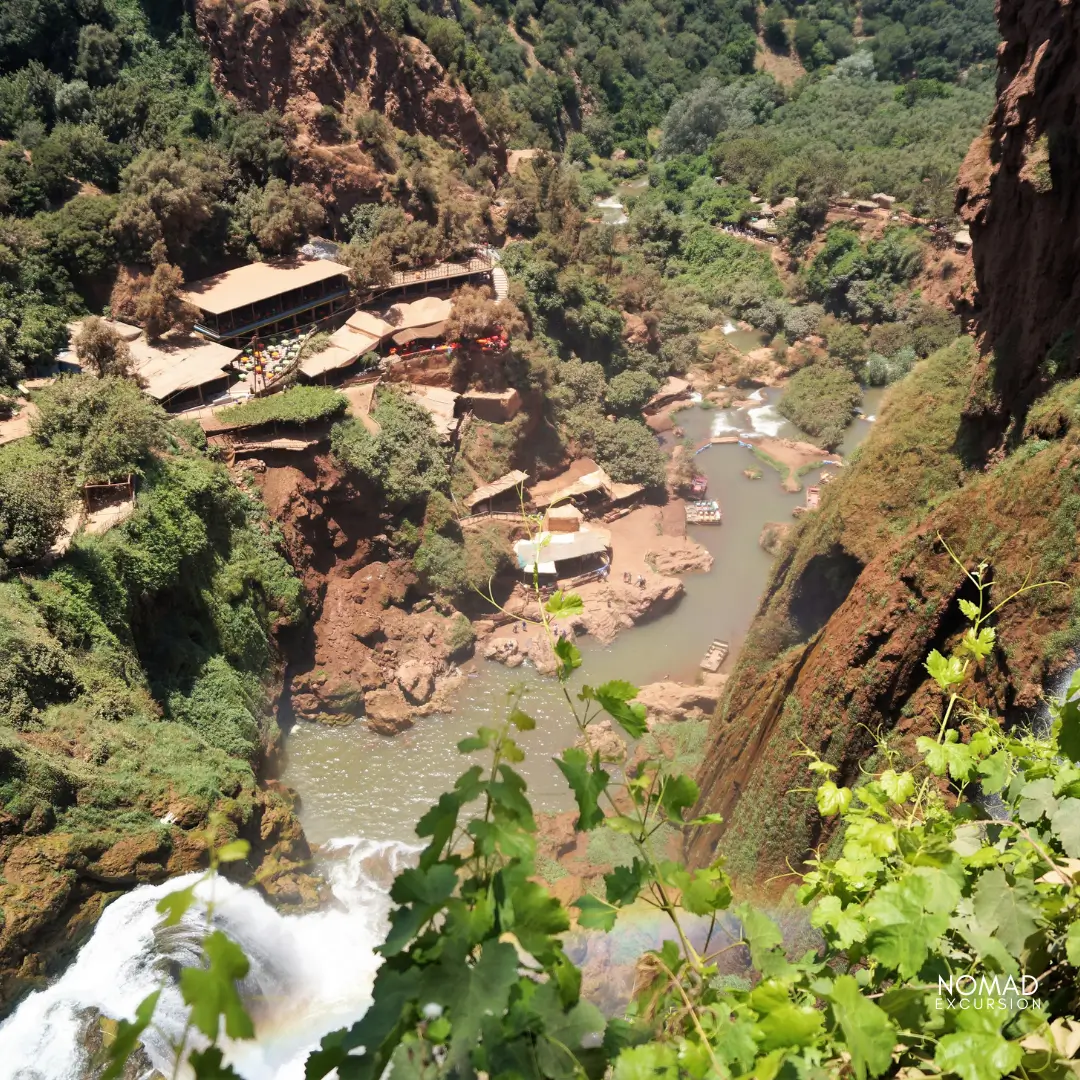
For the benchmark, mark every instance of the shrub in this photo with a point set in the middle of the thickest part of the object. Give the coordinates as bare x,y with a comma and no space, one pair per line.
629,452
298,405
98,429
406,460
33,504
100,348
629,391
821,400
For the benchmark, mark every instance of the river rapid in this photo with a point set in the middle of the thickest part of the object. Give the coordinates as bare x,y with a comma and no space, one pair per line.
362,794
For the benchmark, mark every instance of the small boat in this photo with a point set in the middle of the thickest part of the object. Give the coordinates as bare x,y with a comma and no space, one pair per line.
703,512
698,486
715,657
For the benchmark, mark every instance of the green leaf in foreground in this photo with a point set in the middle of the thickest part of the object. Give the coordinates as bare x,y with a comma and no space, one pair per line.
562,605
594,913
1068,720
127,1035
587,785
616,699
868,1031
569,657
977,1055
212,992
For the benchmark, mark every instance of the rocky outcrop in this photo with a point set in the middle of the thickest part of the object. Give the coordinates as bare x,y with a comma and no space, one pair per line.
55,885
865,590
378,652
1020,201
670,702
680,556
773,535
300,60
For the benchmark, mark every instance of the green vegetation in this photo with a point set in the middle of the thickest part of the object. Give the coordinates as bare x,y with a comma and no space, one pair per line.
297,405
821,400
406,461
859,279
145,650
949,942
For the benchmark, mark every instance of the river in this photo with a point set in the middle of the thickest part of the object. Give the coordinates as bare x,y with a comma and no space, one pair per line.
613,208
361,796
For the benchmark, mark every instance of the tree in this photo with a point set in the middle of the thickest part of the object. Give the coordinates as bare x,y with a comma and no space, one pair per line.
98,429
100,348
33,505
695,119
629,452
774,30
282,217
22,191
477,314
79,236
821,400
370,264
578,148
154,301
172,197
628,392
405,460
98,60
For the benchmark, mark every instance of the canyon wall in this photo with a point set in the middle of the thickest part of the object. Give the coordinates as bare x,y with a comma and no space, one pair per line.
1019,197
306,57
979,448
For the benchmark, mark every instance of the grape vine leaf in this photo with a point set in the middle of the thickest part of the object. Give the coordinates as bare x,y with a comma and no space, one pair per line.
868,1031
624,883
1005,910
1066,825
211,991
944,672
587,785
129,1031
1069,720
208,1065
1037,800
486,994
847,927
594,913
977,1055
679,793
616,699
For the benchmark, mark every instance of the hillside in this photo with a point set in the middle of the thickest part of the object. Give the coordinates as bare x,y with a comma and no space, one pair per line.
978,447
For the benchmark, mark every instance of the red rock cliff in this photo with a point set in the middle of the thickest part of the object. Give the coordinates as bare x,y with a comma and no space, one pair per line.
290,58
980,445
1020,199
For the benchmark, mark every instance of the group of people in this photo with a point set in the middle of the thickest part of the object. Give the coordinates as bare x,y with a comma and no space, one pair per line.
629,579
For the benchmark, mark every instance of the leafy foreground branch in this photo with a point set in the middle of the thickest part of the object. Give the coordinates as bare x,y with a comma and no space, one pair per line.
950,937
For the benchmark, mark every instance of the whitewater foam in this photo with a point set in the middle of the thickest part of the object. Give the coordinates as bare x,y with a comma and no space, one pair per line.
309,973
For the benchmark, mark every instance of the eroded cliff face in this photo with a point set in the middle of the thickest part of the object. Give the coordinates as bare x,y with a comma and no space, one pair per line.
298,58
979,447
1019,197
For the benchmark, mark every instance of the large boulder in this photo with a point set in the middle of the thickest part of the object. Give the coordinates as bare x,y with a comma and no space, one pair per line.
680,557
416,680
669,702
387,711
504,651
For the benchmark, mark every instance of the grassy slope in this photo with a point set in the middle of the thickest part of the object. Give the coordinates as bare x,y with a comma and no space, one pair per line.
863,590
132,679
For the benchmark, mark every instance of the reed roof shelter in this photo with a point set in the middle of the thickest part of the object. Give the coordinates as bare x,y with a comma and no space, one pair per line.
264,299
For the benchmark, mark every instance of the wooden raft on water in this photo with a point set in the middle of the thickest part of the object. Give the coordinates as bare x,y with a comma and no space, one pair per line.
715,657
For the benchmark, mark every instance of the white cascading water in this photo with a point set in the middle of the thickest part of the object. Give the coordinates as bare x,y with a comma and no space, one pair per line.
764,419
309,974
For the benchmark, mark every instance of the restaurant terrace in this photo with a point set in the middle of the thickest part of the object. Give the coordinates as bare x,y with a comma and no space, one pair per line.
263,299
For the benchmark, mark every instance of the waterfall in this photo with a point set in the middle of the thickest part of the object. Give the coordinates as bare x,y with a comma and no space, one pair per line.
309,973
